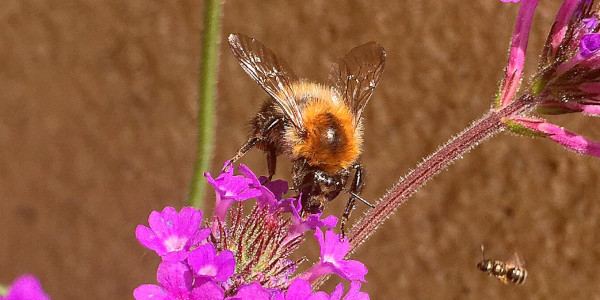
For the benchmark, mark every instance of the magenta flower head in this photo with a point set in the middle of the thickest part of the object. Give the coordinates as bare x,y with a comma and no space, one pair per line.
177,283
240,255
333,250
230,188
25,287
568,76
171,234
206,263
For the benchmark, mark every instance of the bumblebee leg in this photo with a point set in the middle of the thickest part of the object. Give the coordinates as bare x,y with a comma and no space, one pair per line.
271,149
261,136
271,161
249,144
357,185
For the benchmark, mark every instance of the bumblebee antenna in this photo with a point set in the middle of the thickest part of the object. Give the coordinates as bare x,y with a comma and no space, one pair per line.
353,194
482,252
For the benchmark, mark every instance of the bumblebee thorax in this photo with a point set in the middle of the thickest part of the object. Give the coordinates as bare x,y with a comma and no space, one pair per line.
329,139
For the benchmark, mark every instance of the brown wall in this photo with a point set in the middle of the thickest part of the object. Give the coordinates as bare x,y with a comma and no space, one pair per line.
97,128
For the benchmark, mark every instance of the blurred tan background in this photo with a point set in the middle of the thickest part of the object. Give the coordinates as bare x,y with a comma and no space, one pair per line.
97,129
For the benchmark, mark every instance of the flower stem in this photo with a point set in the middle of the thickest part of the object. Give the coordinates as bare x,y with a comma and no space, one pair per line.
480,130
477,132
206,99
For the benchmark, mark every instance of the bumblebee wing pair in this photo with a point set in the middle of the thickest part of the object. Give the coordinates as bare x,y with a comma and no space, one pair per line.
354,76
317,125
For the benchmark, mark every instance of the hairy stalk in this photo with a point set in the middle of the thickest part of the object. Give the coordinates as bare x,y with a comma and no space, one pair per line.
478,131
206,99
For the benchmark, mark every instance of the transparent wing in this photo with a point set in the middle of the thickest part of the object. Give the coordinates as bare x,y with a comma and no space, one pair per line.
515,261
356,75
271,73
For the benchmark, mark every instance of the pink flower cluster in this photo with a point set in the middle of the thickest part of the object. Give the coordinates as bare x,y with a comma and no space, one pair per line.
568,76
214,261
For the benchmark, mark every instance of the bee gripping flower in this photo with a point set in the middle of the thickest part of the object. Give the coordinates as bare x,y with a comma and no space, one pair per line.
301,225
238,255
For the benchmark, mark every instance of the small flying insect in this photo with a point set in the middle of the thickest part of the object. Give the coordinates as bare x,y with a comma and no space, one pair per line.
510,271
319,127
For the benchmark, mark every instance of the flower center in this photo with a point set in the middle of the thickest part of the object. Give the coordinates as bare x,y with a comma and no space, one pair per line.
175,243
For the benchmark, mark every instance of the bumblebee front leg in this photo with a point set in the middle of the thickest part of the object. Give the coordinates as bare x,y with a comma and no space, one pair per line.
358,183
249,144
271,161
260,137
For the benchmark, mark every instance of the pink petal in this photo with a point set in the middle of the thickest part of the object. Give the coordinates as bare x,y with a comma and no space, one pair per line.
518,47
558,134
150,292
176,278
252,291
559,28
354,293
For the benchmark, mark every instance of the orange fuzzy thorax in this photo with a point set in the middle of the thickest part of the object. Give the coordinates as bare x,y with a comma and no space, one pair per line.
330,140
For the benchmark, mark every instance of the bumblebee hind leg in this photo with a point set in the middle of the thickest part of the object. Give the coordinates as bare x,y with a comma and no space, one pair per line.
357,185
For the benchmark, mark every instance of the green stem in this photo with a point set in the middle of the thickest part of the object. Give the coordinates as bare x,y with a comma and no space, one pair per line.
206,99
3,290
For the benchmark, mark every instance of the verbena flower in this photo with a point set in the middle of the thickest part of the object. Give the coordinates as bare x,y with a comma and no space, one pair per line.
244,256
568,76
172,234
333,251
25,287
230,188
206,263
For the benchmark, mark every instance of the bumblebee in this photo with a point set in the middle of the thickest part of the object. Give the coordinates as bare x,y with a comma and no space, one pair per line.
510,271
319,127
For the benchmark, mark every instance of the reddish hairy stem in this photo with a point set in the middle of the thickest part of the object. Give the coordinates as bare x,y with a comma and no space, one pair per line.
478,131
485,127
